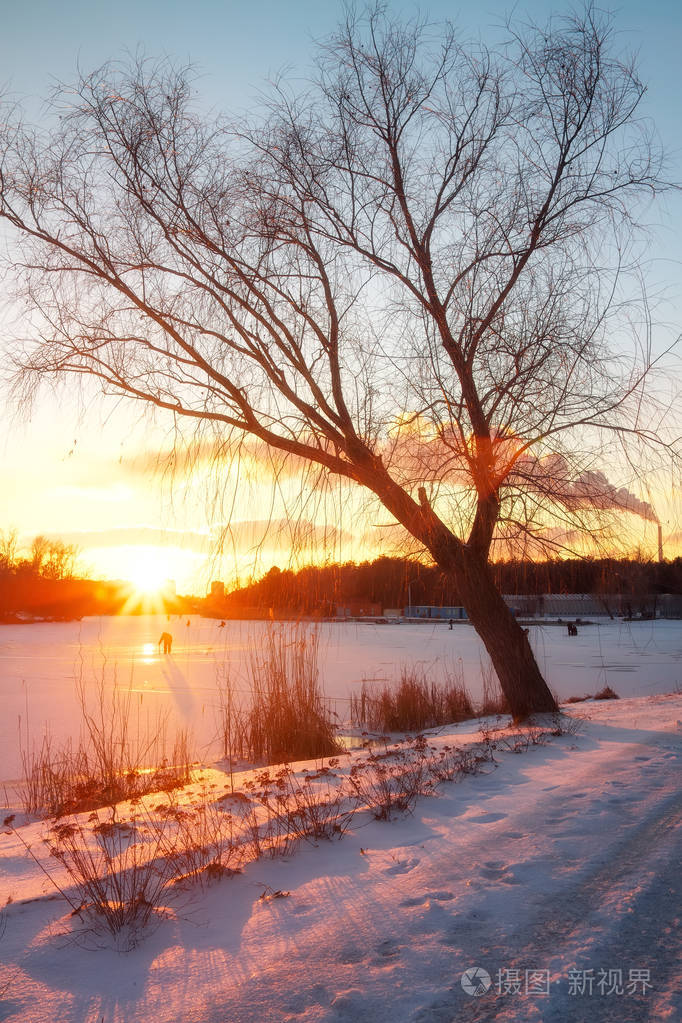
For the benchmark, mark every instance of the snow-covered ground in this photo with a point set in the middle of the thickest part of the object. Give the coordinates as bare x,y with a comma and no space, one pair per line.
556,871
38,665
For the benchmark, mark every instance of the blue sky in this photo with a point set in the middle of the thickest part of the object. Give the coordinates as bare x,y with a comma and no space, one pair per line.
236,46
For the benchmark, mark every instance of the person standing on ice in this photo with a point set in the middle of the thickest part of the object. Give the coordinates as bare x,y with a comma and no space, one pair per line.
167,641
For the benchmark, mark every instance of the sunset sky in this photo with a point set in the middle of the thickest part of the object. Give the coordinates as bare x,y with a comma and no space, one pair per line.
85,471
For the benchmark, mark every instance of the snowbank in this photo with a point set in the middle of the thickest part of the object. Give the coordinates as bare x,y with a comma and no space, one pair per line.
555,873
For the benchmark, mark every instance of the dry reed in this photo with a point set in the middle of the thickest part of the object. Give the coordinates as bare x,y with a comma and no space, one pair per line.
287,717
414,704
114,759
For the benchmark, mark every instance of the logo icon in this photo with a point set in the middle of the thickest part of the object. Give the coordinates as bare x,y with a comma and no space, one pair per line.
476,981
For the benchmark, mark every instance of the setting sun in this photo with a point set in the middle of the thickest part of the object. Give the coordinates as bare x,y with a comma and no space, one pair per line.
151,568
147,569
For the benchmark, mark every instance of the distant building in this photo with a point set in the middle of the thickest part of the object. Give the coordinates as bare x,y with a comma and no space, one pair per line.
217,589
431,611
169,589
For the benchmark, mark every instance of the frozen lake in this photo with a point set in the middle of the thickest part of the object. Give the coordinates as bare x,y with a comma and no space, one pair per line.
39,664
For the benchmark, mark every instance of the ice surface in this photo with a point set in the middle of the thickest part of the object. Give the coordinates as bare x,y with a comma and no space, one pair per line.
38,665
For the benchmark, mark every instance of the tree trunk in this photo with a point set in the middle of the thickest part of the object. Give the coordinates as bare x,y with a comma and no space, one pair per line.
504,639
467,565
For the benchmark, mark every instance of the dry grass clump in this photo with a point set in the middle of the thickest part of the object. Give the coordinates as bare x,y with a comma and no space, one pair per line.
607,693
417,702
115,759
287,718
413,704
494,702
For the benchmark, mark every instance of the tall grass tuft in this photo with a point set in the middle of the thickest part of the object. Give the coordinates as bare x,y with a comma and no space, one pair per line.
231,721
114,758
287,719
494,702
413,704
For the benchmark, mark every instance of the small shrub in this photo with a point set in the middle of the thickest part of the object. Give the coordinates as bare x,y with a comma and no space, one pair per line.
607,693
564,724
450,763
202,846
119,870
519,741
318,807
391,783
265,834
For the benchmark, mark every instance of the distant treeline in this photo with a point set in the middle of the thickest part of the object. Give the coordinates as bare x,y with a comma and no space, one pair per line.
23,592
43,585
394,583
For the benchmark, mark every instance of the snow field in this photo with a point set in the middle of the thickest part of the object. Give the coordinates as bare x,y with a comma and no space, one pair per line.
551,864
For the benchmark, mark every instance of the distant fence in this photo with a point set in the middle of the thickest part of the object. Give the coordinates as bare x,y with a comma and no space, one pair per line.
430,611
609,605
567,605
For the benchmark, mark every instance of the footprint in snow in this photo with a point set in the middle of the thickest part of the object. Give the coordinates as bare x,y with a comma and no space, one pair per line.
349,1005
494,870
351,954
302,908
488,818
418,900
388,948
402,866
426,898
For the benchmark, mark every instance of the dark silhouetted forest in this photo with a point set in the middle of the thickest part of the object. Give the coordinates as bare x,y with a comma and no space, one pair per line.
43,584
394,583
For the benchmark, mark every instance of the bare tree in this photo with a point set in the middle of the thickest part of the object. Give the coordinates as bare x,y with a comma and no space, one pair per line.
9,546
53,558
408,276
40,552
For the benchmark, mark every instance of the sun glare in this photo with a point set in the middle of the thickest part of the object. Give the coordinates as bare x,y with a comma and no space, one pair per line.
148,571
